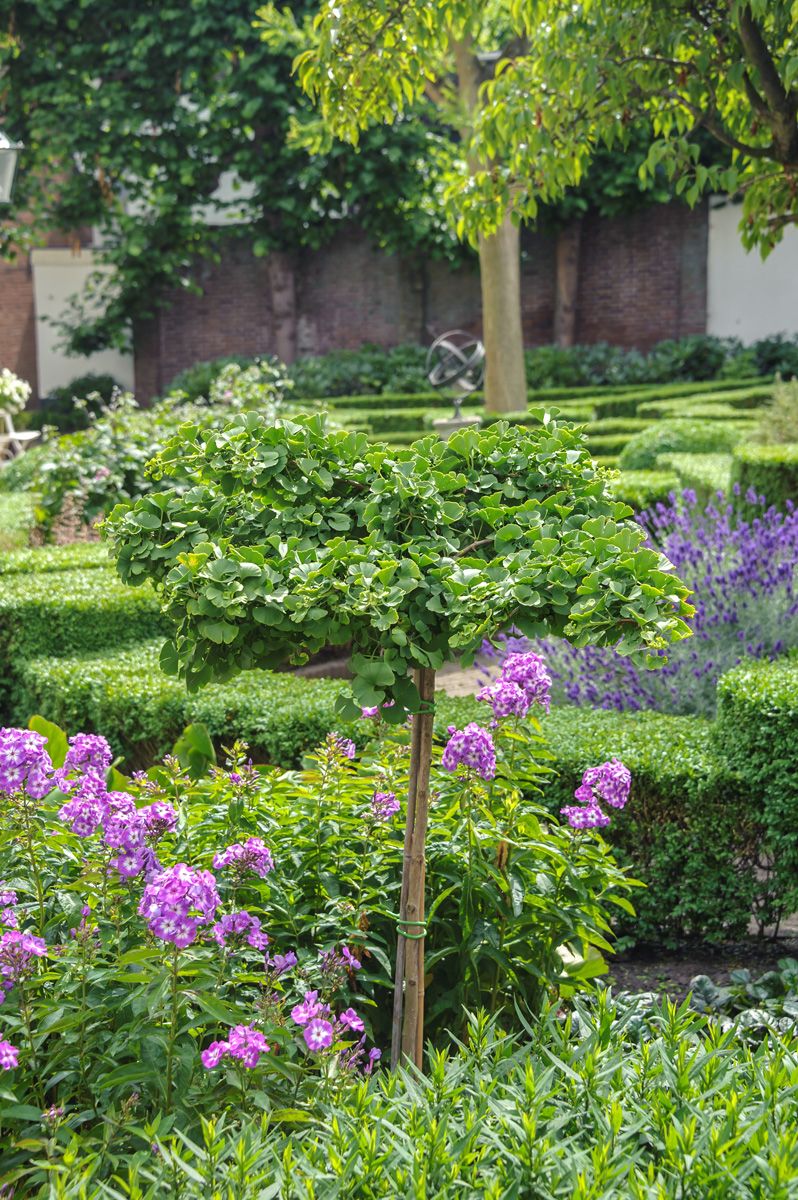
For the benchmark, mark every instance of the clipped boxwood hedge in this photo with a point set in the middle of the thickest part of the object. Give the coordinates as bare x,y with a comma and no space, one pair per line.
643,451
706,474
60,613
642,489
756,732
43,559
627,404
16,520
772,471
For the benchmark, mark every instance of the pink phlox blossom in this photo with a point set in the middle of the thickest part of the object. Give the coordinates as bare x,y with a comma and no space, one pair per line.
240,927
253,856
25,763
318,1035
9,1055
350,1020
471,747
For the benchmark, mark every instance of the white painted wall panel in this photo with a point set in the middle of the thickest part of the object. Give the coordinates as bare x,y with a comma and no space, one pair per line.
746,297
57,276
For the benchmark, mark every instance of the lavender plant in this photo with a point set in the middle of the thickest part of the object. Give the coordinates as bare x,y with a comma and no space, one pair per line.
741,567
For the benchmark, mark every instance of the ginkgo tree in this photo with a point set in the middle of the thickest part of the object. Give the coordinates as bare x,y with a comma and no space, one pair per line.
529,88
286,539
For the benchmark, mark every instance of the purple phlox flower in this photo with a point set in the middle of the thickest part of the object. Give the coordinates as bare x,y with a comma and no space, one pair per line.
345,746
370,710
506,698
529,672
177,901
253,855
318,1035
8,897
610,782
87,806
350,1020
585,816
374,1057
279,963
212,1055
308,1010
18,952
384,805
247,1044
471,747
9,1056
239,927
9,918
25,763
159,818
350,962
87,752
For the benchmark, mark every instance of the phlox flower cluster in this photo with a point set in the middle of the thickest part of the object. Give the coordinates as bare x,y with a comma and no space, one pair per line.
611,783
126,829
88,753
319,1027
238,928
278,964
8,915
384,805
251,855
337,965
18,952
25,763
244,1043
9,1055
471,747
522,682
177,901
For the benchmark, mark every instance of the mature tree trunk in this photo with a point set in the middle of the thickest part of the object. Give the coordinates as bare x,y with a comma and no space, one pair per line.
500,278
499,270
569,238
408,1003
282,286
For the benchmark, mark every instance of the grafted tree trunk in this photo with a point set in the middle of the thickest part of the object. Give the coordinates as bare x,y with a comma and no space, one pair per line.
569,239
408,1006
500,280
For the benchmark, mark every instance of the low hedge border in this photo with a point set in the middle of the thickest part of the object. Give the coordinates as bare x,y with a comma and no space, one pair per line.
772,471
43,559
644,450
16,520
756,732
642,489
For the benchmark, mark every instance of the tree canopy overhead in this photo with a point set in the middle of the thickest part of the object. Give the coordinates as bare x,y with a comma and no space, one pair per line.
559,78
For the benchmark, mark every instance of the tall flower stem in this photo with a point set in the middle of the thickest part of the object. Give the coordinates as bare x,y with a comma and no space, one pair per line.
34,864
170,1051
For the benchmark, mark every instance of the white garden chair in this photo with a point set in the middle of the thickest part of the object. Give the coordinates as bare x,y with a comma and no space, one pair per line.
14,441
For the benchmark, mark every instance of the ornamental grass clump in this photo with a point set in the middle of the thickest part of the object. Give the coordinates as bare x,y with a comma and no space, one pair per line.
741,567
290,538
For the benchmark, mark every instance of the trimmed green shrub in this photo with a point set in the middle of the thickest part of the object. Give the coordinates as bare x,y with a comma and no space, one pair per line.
756,732
141,711
669,437
16,521
605,425
68,612
738,392
641,489
772,471
41,559
706,474
690,411
607,443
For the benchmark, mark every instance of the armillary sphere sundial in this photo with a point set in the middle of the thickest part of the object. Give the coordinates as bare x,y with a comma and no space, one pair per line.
456,361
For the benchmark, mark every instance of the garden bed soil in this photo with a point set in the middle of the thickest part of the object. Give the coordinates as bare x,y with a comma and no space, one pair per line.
671,972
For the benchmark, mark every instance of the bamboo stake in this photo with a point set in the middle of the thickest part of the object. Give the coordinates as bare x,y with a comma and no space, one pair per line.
401,942
412,916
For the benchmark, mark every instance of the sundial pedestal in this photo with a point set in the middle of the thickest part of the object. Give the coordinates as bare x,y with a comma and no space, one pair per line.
446,426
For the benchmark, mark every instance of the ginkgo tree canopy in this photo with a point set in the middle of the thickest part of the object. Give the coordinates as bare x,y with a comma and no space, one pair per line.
289,538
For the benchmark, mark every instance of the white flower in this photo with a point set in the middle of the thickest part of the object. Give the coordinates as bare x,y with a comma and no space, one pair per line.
14,392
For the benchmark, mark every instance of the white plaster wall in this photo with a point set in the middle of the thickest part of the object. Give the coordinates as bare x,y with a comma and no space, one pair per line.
746,297
57,276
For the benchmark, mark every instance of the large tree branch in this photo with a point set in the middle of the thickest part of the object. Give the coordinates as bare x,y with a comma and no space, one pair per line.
713,125
778,98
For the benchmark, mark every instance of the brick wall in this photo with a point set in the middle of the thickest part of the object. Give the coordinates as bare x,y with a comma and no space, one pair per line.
17,320
642,278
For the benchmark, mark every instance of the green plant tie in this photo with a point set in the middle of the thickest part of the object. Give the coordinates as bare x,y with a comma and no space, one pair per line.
422,925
